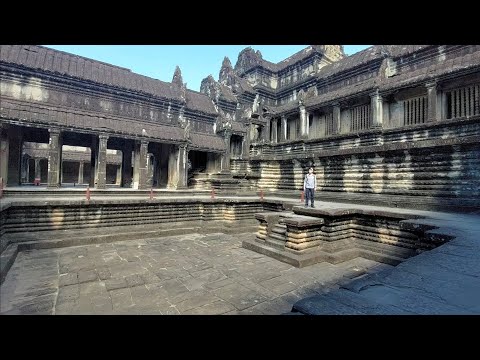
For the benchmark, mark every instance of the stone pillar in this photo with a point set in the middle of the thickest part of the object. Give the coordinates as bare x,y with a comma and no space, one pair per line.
4,147
54,158
14,156
127,165
101,165
182,166
177,167
140,165
432,96
303,122
225,164
173,168
80,171
38,170
283,128
274,131
118,178
247,142
93,159
266,131
25,169
377,110
336,118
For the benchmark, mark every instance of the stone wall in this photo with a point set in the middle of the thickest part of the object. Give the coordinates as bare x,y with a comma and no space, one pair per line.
439,160
30,217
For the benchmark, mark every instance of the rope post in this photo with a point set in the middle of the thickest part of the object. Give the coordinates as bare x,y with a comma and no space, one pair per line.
261,194
151,193
302,196
213,193
87,194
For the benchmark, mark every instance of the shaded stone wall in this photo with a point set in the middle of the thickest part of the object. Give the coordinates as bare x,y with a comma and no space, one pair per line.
437,161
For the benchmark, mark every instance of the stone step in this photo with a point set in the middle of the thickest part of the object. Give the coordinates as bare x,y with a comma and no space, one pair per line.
275,243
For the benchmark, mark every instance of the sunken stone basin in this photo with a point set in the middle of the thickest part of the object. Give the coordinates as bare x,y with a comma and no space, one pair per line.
306,236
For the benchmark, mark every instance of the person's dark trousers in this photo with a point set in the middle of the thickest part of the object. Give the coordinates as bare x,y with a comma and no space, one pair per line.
309,194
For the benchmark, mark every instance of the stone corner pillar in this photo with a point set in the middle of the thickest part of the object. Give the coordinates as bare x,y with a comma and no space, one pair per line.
283,128
182,166
225,161
54,158
303,122
101,165
377,110
140,165
432,96
336,118
80,171
127,164
274,131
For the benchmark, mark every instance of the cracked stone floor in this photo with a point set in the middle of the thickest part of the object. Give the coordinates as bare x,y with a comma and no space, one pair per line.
187,274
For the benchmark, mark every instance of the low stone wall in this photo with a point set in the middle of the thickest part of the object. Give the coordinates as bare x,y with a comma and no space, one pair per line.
60,215
306,236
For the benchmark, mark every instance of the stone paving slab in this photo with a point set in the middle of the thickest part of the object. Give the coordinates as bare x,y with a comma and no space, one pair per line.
445,280
186,274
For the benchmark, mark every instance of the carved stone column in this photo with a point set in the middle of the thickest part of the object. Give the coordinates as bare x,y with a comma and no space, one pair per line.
182,166
140,165
336,118
54,158
303,122
274,131
14,155
93,159
101,166
226,155
377,110
80,172
127,164
432,95
283,128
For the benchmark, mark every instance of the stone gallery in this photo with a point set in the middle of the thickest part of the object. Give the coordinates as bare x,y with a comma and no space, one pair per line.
123,194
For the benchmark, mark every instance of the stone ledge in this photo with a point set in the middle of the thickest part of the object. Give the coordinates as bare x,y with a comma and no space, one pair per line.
7,258
317,256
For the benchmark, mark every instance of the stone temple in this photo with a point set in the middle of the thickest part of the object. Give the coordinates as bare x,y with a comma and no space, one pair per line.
123,194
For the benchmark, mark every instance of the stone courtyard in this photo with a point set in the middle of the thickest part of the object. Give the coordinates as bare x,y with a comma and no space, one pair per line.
124,194
198,274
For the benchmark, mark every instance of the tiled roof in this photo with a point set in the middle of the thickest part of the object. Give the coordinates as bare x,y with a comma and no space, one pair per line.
74,66
200,102
227,93
238,126
298,56
207,141
51,116
458,63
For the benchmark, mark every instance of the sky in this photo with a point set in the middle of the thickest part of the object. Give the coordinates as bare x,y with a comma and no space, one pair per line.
195,61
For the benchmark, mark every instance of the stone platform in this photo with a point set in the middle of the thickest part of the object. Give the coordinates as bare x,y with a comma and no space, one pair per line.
69,270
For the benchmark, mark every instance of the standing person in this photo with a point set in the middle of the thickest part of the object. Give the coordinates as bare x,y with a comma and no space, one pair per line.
309,186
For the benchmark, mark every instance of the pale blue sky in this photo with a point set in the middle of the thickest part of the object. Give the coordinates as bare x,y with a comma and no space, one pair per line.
195,61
